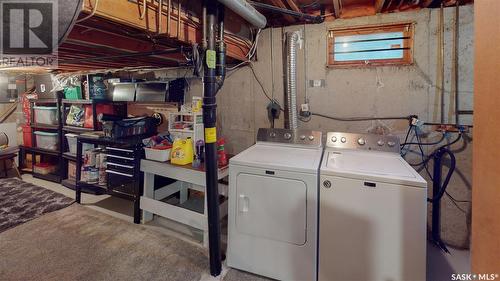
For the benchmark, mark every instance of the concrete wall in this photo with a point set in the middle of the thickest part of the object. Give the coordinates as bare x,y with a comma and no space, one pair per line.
368,91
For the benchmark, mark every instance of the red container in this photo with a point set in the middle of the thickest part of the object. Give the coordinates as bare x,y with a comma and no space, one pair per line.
27,141
221,153
25,100
100,108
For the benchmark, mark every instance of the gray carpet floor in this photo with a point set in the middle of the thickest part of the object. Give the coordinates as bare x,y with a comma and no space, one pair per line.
21,202
77,243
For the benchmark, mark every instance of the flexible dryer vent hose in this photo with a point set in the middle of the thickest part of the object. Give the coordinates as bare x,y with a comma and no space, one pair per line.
291,78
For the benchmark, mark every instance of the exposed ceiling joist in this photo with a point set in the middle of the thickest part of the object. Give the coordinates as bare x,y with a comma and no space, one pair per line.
279,3
127,33
75,50
400,4
118,11
431,3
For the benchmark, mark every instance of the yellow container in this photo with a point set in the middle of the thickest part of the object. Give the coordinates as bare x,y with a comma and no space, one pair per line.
196,104
182,152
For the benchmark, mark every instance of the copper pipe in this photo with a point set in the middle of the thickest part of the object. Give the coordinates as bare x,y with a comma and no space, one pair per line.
455,61
168,16
204,30
141,15
441,56
160,14
387,9
179,19
400,4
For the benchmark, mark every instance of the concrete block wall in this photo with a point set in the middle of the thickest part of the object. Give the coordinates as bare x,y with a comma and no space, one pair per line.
361,91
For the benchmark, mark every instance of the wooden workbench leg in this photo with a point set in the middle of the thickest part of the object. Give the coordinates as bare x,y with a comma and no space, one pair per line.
149,192
183,192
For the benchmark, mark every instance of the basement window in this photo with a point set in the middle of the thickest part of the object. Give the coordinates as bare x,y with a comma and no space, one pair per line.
371,45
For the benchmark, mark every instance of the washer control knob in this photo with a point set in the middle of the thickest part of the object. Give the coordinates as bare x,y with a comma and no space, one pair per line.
361,141
391,143
287,136
311,137
334,139
380,142
327,184
302,137
343,139
272,134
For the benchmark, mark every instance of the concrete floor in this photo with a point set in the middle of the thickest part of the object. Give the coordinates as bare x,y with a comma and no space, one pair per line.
440,265
122,209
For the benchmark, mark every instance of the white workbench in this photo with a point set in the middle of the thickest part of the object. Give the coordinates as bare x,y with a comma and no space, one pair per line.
187,178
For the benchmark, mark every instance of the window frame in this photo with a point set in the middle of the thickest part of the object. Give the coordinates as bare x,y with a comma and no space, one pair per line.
406,27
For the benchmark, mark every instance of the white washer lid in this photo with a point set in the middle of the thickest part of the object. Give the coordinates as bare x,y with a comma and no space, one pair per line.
271,156
376,166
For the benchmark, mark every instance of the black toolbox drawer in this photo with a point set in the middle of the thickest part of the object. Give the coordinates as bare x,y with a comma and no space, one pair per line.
123,152
128,161
121,168
121,182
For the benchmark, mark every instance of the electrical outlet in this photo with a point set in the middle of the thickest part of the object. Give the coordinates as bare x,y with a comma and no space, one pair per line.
304,110
317,83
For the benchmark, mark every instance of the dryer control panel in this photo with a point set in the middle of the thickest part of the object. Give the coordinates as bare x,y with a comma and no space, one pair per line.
363,141
306,138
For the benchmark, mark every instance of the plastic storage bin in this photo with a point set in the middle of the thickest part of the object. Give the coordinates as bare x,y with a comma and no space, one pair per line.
72,144
44,168
130,127
47,140
161,155
46,115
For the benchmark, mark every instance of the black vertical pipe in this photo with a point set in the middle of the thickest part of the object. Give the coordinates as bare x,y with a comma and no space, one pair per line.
436,203
438,190
209,122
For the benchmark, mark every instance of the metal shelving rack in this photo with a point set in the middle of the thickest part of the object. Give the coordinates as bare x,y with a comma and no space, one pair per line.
66,155
34,151
62,154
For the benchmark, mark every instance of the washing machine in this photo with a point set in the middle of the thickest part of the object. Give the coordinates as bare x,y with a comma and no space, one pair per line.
372,211
272,220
